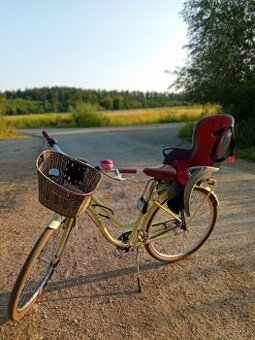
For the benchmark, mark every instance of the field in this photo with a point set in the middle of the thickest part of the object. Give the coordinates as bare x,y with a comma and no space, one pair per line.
159,115
111,118
39,120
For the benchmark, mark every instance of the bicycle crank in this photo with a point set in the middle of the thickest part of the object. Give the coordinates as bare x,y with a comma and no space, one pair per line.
123,237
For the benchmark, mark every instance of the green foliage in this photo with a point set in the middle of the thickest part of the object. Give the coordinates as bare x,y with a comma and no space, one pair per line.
245,128
20,106
245,138
87,115
247,153
221,65
64,99
3,105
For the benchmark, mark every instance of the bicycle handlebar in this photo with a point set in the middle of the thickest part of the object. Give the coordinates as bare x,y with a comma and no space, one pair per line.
127,170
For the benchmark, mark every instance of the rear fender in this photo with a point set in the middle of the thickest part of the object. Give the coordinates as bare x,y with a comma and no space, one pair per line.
199,176
211,194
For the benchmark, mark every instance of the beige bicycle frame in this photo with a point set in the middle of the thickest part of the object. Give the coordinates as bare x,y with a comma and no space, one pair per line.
140,223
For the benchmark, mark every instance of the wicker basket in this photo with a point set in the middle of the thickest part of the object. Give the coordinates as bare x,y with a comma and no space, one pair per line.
65,184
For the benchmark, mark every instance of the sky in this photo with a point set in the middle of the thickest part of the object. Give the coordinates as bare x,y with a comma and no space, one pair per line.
96,44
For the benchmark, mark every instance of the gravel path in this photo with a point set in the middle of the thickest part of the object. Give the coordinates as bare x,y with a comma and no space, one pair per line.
93,294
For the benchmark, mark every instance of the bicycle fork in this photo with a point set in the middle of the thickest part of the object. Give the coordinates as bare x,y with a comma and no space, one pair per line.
54,224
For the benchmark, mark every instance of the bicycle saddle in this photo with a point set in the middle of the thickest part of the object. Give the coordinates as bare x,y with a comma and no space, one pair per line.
165,172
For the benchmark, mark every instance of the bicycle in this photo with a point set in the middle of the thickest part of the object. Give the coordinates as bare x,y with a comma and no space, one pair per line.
167,233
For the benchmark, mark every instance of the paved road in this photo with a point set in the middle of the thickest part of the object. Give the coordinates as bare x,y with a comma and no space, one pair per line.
134,146
128,146
140,145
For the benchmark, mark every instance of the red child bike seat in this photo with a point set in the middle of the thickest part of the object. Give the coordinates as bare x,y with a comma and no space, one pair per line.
212,143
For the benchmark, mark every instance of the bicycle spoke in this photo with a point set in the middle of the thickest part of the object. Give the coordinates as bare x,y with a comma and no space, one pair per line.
170,240
37,269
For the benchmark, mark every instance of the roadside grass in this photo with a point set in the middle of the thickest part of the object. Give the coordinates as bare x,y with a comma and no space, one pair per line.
7,130
12,135
40,120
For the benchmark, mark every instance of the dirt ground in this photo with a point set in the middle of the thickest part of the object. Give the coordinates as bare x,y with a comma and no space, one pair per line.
93,294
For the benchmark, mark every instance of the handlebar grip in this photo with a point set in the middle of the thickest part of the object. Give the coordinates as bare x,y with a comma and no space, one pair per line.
45,135
49,140
127,170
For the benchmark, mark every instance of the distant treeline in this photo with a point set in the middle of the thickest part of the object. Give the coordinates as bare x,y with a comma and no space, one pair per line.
64,99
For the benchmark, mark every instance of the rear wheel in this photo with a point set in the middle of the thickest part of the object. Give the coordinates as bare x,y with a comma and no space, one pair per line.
173,241
37,269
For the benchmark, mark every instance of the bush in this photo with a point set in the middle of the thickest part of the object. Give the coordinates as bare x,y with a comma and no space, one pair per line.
87,115
245,132
186,131
245,138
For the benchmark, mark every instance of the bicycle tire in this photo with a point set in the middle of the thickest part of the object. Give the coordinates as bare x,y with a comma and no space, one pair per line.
180,243
46,252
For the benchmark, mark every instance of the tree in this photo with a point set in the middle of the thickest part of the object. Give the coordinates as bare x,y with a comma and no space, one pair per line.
3,105
221,60
118,103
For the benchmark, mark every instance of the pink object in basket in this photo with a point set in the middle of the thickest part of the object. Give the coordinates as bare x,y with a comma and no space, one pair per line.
106,164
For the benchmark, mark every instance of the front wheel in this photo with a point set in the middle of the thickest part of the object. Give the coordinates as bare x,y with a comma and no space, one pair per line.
169,240
37,269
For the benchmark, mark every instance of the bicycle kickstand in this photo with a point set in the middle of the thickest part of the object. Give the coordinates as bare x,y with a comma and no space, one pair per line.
138,270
